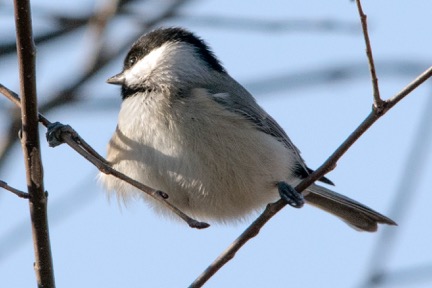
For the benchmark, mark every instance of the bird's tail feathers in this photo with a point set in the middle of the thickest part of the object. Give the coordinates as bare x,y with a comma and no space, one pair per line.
355,214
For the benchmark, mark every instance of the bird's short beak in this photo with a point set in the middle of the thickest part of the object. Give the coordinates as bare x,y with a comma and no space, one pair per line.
118,79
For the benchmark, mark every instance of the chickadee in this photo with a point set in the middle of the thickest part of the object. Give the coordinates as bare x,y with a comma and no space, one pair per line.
187,128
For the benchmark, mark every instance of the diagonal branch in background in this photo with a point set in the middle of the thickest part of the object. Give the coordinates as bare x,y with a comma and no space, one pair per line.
64,24
268,25
413,171
379,108
327,166
67,135
26,52
96,28
63,27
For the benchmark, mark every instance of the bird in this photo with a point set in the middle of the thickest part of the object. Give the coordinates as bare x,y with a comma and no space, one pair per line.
187,128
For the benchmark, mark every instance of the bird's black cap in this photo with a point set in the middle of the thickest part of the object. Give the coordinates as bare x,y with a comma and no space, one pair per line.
156,38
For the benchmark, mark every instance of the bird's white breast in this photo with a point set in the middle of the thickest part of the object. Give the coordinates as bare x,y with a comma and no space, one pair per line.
212,163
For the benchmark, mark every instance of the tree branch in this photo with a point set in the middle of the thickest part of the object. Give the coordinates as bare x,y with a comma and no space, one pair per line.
328,165
31,147
379,108
378,102
17,192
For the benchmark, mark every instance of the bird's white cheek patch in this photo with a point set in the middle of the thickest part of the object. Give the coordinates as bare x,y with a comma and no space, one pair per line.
143,68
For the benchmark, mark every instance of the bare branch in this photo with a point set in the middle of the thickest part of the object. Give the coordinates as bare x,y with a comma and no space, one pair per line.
378,102
26,52
12,96
17,192
69,136
409,88
63,27
380,107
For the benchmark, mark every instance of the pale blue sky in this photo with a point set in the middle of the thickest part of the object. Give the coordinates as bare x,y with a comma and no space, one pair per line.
97,243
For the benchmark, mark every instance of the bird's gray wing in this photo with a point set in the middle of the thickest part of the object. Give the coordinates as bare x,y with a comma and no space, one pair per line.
251,111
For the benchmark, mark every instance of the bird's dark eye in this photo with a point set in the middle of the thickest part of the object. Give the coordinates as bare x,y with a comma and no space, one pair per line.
132,60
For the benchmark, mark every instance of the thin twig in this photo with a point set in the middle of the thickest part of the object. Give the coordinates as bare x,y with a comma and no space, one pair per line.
409,88
17,192
72,138
378,102
26,53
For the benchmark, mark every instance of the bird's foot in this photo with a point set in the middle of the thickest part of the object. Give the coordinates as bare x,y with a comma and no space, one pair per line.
54,133
290,195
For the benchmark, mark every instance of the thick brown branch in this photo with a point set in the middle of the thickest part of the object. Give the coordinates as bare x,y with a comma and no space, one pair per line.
31,147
